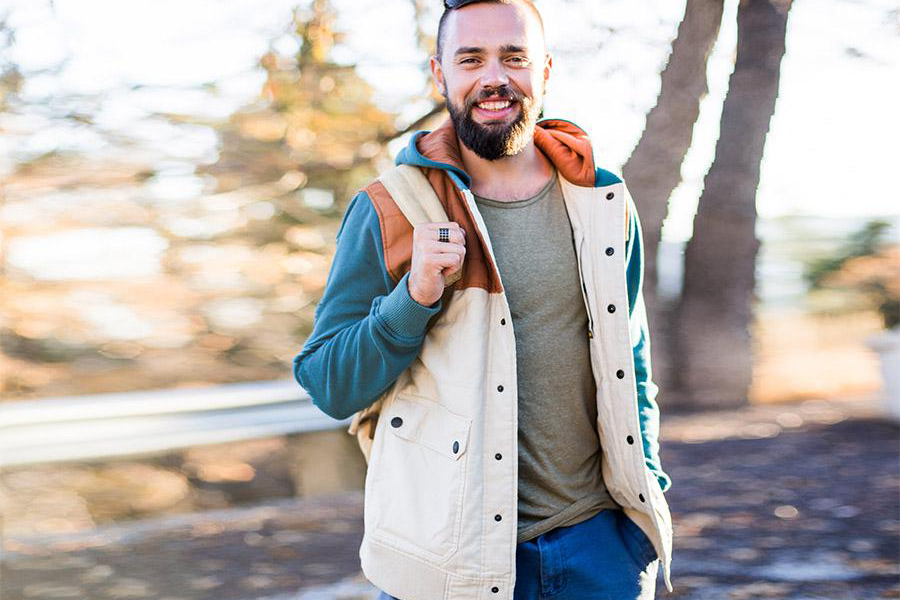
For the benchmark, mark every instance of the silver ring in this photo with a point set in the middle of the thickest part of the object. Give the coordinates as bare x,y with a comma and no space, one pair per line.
443,234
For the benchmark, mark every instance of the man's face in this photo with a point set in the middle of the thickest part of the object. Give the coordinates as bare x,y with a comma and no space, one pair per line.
493,75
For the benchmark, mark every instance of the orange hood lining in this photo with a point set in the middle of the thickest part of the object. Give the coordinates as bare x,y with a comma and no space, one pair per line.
565,144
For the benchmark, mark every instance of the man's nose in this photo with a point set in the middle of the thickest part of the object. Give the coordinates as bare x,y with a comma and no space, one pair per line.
494,74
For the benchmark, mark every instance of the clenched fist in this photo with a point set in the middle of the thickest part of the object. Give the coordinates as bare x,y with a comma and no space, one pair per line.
432,260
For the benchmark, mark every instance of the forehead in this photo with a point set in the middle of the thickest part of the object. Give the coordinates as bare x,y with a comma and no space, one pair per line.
490,25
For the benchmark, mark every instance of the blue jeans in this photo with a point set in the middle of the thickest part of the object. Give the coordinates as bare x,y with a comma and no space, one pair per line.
607,557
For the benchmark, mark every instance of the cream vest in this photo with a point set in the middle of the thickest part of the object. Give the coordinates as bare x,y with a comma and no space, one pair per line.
443,460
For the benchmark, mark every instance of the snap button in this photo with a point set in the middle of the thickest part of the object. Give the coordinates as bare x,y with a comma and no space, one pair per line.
499,388
630,439
641,496
455,447
495,589
497,517
609,196
503,321
498,456
610,251
611,308
620,374
396,422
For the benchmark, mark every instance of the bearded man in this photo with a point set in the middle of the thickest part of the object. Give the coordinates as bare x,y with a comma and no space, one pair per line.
516,455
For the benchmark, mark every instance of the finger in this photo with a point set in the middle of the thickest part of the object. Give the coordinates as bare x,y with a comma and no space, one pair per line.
443,247
442,261
456,236
451,225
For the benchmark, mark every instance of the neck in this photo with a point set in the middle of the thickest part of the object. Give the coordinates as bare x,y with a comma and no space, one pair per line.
511,177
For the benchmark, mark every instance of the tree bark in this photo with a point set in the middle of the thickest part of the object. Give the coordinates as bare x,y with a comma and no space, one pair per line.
713,344
653,170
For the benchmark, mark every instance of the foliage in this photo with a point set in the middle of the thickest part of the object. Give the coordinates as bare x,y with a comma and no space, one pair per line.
868,266
11,79
316,118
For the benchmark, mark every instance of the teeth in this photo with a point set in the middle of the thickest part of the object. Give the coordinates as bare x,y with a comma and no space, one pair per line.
494,105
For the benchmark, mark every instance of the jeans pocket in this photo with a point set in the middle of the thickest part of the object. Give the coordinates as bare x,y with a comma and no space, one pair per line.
636,541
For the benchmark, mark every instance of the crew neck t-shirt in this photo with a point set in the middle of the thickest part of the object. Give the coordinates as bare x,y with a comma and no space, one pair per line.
560,477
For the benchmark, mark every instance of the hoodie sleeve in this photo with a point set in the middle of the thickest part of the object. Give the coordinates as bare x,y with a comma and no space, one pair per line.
648,409
366,330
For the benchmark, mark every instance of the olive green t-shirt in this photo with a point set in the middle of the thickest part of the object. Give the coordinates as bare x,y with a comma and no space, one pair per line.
560,479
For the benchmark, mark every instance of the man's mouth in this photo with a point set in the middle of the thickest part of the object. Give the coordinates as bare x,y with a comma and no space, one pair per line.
495,108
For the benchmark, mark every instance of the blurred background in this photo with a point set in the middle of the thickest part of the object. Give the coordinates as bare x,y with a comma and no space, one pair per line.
173,176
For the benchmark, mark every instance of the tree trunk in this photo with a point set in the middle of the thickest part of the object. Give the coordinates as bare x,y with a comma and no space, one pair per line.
713,345
653,170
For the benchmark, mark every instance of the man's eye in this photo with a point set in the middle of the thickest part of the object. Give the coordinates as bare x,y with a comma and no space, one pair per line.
520,59
465,60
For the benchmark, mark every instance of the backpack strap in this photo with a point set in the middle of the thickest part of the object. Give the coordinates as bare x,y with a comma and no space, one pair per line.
414,196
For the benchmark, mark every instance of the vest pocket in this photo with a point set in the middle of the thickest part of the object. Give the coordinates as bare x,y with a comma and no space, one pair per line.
416,493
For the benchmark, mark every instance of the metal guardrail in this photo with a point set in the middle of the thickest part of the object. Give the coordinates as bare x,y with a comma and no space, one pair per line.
146,422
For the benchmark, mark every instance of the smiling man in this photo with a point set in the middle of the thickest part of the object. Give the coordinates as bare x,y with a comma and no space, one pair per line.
516,453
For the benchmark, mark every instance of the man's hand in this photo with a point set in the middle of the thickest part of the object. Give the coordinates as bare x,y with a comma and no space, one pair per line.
433,259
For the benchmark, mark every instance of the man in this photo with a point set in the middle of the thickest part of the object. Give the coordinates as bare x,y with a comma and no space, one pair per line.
516,454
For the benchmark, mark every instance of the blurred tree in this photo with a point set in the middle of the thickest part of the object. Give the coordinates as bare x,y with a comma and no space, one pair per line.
315,119
653,170
11,78
868,267
712,346
316,122
865,242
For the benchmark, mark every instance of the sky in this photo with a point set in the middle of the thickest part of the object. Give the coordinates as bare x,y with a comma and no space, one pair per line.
832,148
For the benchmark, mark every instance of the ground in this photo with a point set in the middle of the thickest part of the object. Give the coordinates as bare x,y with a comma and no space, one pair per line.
798,501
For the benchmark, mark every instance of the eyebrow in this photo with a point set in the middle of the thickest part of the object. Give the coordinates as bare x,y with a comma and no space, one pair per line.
504,49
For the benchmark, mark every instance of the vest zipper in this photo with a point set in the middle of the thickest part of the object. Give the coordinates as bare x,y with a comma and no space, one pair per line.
584,293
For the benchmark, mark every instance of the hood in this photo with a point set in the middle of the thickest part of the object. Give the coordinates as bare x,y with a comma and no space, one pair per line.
564,143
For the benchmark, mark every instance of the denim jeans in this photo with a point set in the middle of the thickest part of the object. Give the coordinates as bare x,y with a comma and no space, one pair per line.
607,557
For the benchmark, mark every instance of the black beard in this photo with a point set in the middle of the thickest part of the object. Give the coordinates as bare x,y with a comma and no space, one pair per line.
495,141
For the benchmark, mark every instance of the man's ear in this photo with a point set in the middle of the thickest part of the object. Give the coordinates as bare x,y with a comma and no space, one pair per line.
548,66
437,74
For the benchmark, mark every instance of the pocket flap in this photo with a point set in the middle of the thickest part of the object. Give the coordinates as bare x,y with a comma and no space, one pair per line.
424,421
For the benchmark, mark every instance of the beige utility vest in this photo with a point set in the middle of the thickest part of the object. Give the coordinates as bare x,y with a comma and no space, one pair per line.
441,488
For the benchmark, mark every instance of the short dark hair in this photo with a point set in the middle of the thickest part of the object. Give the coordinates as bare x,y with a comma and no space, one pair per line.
440,32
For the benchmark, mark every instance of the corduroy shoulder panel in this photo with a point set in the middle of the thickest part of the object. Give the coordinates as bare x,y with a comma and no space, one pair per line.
397,234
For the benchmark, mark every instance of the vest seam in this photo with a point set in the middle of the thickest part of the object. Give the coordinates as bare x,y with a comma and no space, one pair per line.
450,574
